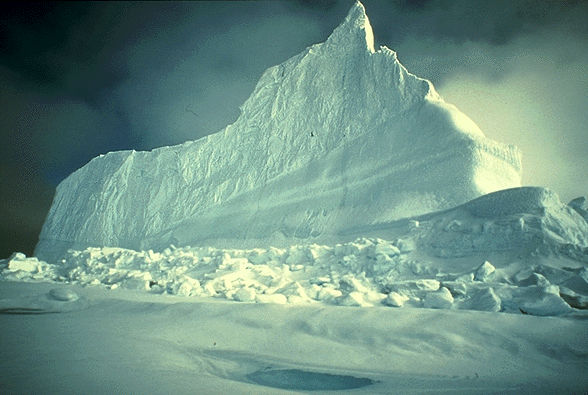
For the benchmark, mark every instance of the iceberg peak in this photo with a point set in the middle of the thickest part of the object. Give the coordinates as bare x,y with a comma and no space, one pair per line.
354,30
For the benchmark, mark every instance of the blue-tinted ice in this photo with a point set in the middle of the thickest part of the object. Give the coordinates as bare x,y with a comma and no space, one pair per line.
296,379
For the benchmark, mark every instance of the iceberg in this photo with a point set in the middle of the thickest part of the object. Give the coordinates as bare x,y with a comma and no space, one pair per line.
337,137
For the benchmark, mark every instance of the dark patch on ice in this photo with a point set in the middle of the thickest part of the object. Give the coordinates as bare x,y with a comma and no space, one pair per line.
296,379
26,311
575,301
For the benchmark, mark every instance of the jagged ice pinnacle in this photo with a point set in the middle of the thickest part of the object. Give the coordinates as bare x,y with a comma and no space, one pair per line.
337,138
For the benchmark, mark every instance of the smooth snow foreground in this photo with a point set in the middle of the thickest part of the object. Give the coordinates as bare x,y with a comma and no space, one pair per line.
338,136
105,341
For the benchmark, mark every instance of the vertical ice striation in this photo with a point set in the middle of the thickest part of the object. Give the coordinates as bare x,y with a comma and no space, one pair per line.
338,137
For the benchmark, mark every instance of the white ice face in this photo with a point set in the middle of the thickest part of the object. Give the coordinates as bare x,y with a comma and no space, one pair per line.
336,138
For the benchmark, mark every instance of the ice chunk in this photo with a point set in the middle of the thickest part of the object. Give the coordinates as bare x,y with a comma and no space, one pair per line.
395,299
534,279
484,272
485,299
441,299
354,299
245,295
29,265
427,284
19,261
574,299
577,283
17,256
543,301
63,295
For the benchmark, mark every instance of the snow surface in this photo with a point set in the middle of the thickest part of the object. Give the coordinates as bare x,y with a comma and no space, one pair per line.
117,341
338,136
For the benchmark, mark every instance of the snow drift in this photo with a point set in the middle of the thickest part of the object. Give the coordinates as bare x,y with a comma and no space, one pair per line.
339,136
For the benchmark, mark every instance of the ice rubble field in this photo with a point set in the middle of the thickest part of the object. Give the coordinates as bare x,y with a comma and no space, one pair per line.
529,256
366,272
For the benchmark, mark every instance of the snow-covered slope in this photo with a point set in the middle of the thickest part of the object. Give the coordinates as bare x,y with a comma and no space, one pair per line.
336,137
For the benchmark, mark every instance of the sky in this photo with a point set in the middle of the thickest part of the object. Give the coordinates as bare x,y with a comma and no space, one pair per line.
80,79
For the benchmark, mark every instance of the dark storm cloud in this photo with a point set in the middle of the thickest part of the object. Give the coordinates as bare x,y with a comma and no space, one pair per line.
430,37
197,88
519,69
496,22
80,79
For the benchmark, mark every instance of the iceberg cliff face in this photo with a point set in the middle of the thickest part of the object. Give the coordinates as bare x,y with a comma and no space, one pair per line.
337,137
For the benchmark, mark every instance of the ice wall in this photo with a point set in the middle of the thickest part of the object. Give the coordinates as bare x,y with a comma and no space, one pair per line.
339,136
